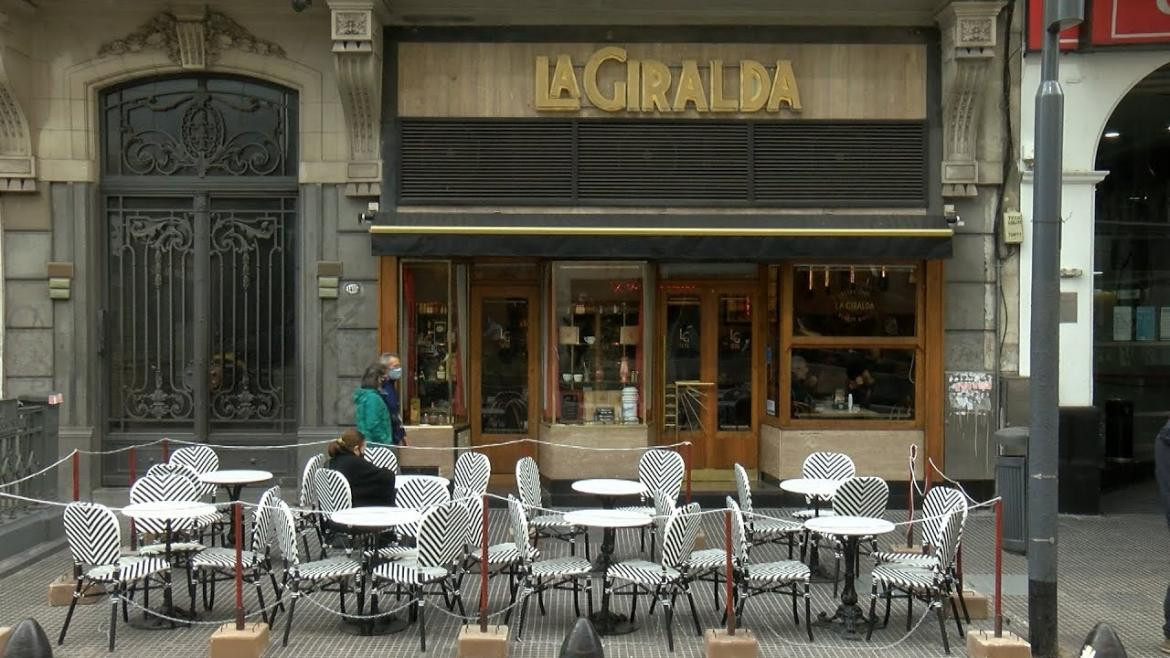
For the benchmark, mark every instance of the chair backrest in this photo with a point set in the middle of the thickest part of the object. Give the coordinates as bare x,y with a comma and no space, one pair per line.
433,536
263,520
472,537
743,490
176,468
939,501
518,522
381,456
332,490
158,487
678,539
739,548
420,494
948,538
93,534
285,528
862,496
660,469
528,484
472,471
456,530
307,496
200,459
828,466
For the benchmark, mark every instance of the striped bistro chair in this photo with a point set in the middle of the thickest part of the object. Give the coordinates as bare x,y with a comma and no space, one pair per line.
420,494
859,496
381,456
824,466
219,563
95,544
538,576
502,558
202,459
666,579
163,487
303,578
542,522
711,563
939,501
659,470
932,585
309,523
213,522
472,472
333,495
762,530
787,577
440,533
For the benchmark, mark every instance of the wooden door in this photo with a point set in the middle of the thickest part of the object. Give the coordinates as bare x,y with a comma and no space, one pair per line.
505,388
710,374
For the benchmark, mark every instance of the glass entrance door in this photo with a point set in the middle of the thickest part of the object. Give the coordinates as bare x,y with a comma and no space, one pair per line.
504,365
709,378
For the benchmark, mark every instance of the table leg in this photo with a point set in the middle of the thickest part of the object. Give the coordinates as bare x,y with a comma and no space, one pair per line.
375,624
168,609
850,614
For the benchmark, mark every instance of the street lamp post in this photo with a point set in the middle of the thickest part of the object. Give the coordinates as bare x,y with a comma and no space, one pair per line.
1043,444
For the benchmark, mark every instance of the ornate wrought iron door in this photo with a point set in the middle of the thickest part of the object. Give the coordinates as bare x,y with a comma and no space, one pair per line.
200,218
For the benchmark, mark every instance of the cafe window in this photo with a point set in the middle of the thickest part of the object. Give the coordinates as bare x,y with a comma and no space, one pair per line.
853,342
433,357
597,330
771,354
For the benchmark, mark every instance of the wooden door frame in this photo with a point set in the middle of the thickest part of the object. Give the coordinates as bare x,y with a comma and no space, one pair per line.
478,292
708,291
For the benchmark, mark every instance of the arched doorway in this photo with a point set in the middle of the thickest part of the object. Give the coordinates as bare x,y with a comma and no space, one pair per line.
200,203
1131,352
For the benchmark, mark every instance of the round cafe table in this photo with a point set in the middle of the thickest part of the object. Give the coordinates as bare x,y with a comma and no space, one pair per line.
400,480
369,524
850,529
818,489
609,520
169,511
608,490
233,480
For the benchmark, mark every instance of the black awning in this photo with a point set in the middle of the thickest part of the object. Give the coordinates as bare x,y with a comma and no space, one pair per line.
676,237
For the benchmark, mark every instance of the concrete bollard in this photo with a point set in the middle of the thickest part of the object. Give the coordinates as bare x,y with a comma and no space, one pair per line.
984,644
5,633
718,644
474,643
978,605
28,640
582,642
1103,642
228,642
61,592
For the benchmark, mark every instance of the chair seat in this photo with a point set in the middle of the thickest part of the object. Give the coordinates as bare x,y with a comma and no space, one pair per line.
762,527
642,572
707,559
643,509
550,522
131,568
395,553
907,577
219,557
912,559
153,550
560,567
408,572
502,554
328,569
783,571
808,514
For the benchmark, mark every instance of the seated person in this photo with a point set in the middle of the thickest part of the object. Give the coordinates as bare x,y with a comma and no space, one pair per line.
860,382
370,485
803,385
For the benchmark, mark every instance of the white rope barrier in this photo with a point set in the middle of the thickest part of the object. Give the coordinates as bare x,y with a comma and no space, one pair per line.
200,622
958,486
294,446
40,472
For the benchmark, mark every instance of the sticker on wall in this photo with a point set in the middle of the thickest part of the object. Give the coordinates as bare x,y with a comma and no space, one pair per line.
969,410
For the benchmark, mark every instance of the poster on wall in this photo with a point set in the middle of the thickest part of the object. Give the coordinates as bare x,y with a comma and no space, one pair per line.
1145,323
969,402
969,391
1122,323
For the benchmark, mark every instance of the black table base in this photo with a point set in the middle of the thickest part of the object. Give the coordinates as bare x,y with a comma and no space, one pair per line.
609,623
387,625
849,615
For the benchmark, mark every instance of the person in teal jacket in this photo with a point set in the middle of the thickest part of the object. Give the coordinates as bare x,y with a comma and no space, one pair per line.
370,413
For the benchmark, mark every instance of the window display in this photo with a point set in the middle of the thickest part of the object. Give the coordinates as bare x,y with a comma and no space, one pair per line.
862,384
598,334
854,300
432,357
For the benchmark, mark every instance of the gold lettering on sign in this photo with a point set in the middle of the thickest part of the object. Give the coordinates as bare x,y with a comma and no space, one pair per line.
649,86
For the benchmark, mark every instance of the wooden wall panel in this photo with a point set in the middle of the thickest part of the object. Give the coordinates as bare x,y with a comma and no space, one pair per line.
836,81
388,304
932,399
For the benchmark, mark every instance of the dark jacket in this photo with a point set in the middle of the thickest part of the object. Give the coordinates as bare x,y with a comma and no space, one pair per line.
390,397
1162,466
370,485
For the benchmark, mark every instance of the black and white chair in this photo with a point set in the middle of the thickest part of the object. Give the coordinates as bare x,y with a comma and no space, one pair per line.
502,558
787,577
95,544
308,522
472,472
381,456
219,563
865,496
543,522
932,585
659,470
938,502
303,578
761,529
333,495
824,466
168,487
420,494
213,522
440,533
666,579
200,460
535,577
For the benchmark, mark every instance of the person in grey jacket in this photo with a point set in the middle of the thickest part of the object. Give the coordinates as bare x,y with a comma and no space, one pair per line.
1162,468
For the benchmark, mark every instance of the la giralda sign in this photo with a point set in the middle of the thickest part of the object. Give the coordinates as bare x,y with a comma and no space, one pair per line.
648,85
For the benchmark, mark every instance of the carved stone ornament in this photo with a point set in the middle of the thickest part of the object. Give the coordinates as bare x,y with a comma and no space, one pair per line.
17,164
192,42
969,59
357,58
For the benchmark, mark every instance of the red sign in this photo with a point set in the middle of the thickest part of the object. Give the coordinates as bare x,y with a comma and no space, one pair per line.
1118,22
1069,39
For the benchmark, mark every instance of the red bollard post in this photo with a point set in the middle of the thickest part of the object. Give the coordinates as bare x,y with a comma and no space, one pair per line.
238,522
730,571
483,569
999,568
133,479
688,461
76,476
910,494
166,449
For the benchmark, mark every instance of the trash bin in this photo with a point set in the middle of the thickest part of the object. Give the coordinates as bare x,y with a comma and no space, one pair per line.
1011,484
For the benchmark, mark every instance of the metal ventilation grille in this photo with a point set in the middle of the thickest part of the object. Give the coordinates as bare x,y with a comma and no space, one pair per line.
663,162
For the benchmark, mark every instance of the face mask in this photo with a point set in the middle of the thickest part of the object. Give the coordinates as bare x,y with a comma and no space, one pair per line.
396,372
